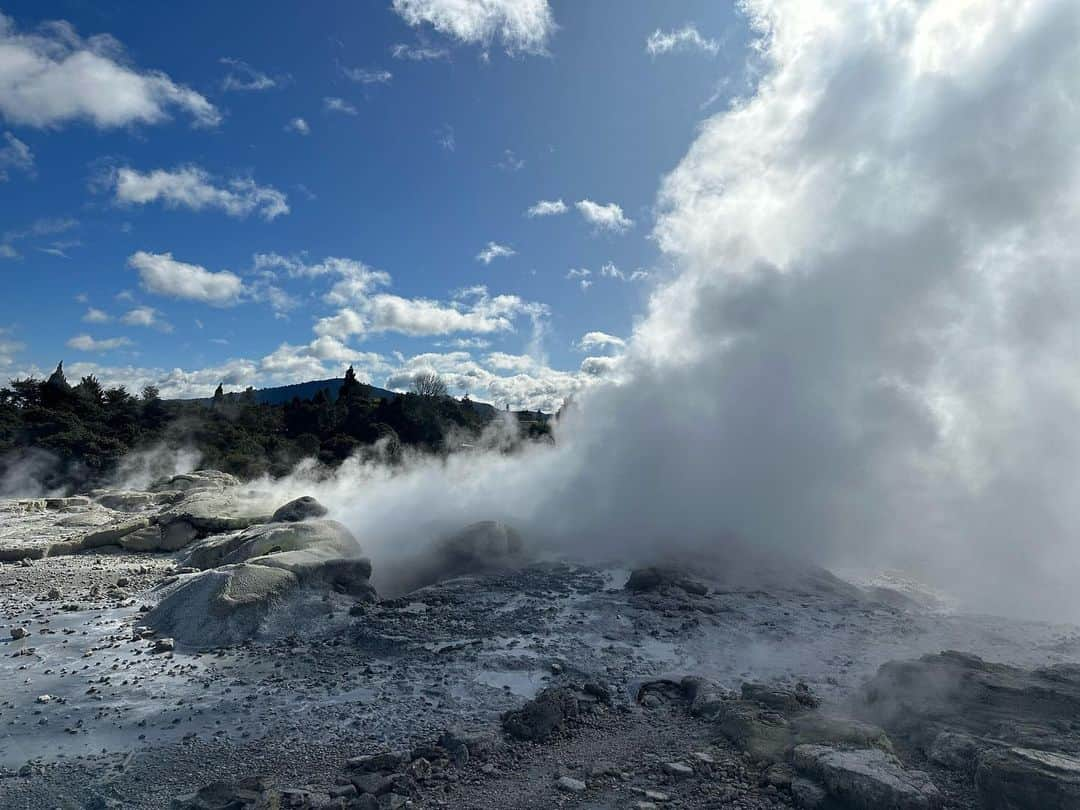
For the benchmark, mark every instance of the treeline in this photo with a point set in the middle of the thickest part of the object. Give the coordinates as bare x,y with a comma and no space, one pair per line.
87,429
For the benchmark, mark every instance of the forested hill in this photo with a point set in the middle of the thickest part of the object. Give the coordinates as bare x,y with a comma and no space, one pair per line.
307,390
75,436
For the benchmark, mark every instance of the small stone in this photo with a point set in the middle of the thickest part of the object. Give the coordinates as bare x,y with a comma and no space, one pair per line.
678,769
123,582
163,645
19,632
569,784
420,769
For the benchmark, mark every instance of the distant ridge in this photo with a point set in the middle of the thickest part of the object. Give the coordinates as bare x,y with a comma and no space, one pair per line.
308,390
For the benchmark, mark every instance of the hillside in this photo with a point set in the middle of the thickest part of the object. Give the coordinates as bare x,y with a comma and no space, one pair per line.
279,395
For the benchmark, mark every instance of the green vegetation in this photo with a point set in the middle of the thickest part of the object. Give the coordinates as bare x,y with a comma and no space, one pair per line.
87,430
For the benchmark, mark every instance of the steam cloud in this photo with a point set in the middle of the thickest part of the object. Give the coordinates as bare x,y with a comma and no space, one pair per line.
869,354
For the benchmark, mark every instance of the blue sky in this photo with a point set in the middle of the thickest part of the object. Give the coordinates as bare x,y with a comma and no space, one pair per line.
260,194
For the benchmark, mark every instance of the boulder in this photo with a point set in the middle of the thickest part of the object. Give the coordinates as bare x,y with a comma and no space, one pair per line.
1017,778
955,751
706,698
224,795
655,578
782,700
123,501
762,733
842,731
316,551
247,573
480,548
866,778
299,509
958,693
199,479
220,606
543,716
110,535
145,539
210,512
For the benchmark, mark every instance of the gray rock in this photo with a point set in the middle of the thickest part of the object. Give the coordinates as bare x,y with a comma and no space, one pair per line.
148,538
383,761
220,606
299,509
955,751
568,784
782,700
125,501
678,769
1018,778
706,697
959,693
867,778
655,578
807,794
762,733
480,548
540,718
111,535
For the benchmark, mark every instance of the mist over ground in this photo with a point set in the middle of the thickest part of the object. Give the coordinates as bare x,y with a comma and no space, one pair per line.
867,354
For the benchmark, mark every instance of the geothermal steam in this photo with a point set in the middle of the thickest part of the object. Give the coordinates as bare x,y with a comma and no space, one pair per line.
869,355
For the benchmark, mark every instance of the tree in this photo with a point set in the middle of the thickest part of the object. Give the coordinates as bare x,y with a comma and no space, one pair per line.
219,395
150,393
429,384
350,386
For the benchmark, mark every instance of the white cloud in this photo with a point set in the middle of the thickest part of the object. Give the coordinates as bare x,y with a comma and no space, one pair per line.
161,274
15,155
609,270
85,343
493,251
290,363
355,279
367,75
502,361
510,162
444,136
578,272
192,187
518,25
339,105
531,385
96,316
48,226
600,341
55,77
8,348
242,77
609,217
473,311
686,38
299,126
147,317
547,208
418,53
173,383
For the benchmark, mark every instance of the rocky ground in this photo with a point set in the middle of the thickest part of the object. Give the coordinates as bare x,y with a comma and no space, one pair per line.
516,683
